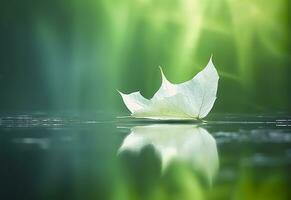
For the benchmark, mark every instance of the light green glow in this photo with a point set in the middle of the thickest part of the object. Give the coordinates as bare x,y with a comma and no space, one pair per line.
106,42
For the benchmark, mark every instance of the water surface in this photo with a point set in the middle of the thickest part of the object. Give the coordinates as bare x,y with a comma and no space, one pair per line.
98,156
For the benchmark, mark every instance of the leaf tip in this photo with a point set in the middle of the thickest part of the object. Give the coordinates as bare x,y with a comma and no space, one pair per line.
119,92
161,70
210,64
211,59
164,79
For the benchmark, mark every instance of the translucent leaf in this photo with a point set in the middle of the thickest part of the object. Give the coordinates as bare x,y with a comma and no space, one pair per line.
189,100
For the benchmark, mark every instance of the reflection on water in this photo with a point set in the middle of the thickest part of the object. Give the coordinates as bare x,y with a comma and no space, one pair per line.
43,143
187,143
45,157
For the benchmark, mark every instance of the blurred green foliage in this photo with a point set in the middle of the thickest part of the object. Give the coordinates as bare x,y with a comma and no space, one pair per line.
73,54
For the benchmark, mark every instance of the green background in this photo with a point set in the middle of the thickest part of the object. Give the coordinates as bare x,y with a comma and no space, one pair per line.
74,54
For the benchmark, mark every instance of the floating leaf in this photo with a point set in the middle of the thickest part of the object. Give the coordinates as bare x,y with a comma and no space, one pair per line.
192,99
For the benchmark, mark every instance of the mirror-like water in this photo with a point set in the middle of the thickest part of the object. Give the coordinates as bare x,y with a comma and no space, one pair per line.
97,156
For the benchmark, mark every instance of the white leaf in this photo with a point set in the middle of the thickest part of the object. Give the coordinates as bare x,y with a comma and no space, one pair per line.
189,100
187,143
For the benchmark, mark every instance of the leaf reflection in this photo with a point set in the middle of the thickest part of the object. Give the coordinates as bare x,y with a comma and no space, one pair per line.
186,143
